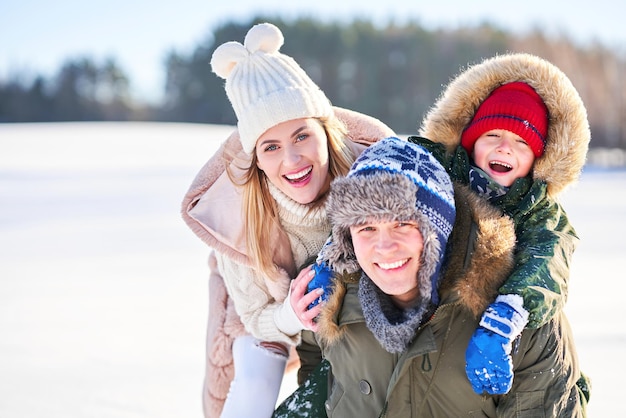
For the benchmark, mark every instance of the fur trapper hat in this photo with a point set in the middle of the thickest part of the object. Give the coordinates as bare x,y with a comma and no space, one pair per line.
392,180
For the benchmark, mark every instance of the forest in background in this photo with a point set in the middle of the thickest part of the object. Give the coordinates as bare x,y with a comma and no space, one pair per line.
394,73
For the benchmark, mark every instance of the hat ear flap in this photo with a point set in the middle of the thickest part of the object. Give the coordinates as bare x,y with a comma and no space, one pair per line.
338,252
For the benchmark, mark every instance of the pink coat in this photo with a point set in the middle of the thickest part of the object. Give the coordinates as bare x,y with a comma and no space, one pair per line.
214,224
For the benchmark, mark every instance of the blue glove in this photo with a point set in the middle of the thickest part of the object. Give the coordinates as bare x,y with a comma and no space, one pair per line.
323,278
489,366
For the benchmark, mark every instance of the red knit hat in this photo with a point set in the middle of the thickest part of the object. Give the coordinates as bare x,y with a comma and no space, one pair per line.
515,107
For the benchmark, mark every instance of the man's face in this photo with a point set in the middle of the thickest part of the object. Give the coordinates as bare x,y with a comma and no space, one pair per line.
390,253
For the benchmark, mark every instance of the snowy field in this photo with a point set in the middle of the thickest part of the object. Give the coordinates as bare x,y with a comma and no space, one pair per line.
103,291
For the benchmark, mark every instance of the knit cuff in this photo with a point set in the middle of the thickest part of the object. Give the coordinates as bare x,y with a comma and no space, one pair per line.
286,319
506,316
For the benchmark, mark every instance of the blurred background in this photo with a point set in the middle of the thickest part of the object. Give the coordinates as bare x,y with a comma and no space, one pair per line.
139,61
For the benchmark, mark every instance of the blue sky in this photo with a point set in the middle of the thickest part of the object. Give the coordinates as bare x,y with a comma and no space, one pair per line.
36,36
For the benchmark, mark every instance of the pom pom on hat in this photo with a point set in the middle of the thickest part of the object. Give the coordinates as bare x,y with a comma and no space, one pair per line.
264,86
515,107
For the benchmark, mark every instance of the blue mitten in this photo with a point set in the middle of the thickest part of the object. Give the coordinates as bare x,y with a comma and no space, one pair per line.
489,366
323,278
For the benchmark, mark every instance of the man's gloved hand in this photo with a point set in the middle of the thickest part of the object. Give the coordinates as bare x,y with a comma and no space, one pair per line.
489,366
322,279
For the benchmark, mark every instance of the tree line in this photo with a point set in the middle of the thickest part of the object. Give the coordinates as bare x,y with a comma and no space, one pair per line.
394,73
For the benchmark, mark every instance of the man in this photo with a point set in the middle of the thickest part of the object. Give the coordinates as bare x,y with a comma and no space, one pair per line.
408,293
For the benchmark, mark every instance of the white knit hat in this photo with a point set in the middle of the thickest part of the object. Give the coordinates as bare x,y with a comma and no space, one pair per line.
264,86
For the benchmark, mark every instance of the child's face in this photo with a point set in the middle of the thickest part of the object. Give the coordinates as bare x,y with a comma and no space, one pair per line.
390,253
503,155
294,157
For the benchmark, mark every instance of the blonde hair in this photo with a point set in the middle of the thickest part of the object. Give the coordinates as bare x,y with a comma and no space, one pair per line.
260,211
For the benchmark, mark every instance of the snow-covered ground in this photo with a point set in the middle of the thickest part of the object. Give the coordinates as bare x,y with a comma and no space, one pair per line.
103,292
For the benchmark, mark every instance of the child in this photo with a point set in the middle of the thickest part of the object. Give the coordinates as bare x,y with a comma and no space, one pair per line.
515,130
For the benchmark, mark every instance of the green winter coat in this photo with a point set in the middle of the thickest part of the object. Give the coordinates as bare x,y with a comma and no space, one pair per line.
545,238
428,379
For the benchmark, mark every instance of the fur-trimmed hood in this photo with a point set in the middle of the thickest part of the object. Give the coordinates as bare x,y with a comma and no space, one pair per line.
480,257
568,128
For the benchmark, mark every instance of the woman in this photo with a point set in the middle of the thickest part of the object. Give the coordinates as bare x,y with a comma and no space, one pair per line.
259,203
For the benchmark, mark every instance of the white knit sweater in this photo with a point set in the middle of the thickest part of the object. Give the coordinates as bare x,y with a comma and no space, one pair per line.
307,230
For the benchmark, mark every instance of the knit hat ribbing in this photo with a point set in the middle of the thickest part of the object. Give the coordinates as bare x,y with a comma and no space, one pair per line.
264,86
515,107
393,180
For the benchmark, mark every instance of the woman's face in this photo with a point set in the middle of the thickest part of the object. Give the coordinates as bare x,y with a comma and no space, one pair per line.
294,157
390,254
